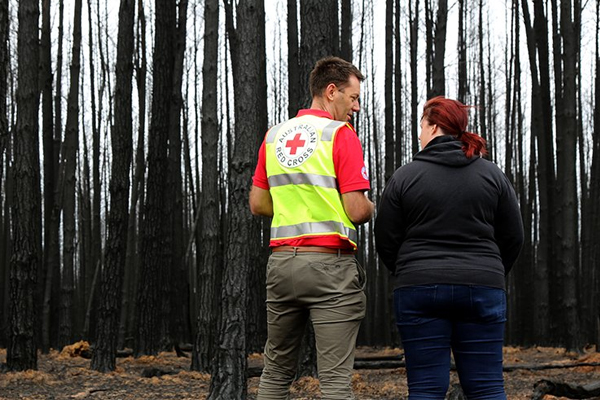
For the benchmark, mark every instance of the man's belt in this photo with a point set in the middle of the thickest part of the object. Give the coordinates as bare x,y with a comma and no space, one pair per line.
312,249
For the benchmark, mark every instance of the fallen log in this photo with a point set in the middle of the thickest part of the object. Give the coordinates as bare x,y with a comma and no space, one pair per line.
366,363
254,372
398,362
87,353
158,372
378,364
397,357
389,362
572,391
540,367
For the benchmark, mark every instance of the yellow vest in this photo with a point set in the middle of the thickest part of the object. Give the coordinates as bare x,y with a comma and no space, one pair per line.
302,180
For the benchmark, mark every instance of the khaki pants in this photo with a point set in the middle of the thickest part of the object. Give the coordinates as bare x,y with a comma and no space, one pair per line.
328,288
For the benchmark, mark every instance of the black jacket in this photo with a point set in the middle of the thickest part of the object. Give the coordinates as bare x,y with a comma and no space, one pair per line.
448,219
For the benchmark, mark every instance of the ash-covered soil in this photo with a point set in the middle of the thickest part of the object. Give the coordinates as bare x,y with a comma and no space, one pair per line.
66,375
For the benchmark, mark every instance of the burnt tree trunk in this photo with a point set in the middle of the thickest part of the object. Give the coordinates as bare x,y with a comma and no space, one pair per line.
294,81
51,148
243,230
399,88
111,279
150,336
177,295
414,84
437,67
537,39
319,37
210,253
129,310
26,211
463,86
566,184
69,171
346,25
95,247
4,195
390,140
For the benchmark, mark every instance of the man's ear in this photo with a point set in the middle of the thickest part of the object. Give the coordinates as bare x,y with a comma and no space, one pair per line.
330,90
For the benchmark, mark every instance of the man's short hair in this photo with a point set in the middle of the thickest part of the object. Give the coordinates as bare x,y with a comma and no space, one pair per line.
331,70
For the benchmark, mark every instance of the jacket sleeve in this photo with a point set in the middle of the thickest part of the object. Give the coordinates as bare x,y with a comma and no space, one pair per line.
508,227
389,227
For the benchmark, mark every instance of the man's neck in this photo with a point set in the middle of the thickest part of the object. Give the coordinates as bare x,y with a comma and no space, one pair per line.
320,104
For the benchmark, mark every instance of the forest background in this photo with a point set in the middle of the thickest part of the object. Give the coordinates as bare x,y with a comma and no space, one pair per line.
129,136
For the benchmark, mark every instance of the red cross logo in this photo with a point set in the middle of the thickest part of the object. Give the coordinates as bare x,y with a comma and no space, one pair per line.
295,143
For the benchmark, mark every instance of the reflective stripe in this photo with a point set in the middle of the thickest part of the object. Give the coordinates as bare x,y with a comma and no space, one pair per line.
303,179
330,129
273,132
307,228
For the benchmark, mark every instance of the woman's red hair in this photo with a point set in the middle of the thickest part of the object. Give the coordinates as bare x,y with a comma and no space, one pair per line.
452,117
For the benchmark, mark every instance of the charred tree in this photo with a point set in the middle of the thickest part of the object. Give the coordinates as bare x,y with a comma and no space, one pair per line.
463,88
294,81
482,103
346,30
398,89
52,289
319,37
150,339
437,67
541,126
95,247
69,171
247,41
4,138
132,263
414,84
429,43
210,253
591,211
522,301
390,140
51,149
566,182
26,211
111,278
175,308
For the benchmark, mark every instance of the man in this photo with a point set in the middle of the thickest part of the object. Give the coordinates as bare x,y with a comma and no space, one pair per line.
312,180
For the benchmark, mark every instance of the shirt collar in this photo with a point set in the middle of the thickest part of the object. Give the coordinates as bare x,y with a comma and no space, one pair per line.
315,112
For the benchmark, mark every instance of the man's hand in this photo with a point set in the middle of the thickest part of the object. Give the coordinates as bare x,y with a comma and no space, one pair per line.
261,202
358,207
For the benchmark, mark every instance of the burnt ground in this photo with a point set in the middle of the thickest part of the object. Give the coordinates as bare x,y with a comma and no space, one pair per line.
67,375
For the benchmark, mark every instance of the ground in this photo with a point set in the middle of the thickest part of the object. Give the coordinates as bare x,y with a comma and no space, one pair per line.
67,375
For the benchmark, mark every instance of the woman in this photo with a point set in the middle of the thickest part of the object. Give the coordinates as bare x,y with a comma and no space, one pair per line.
449,229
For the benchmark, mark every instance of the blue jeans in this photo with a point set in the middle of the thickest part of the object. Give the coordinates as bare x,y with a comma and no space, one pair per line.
469,320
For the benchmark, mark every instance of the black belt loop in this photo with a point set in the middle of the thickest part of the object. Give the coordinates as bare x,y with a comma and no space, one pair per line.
295,251
339,252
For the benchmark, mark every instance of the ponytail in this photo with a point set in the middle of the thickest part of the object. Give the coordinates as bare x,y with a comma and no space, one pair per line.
473,144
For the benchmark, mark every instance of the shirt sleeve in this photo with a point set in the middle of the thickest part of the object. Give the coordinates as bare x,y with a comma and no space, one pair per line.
260,173
389,226
349,161
508,227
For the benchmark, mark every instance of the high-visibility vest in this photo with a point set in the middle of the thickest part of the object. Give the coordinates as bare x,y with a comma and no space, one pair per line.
303,182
